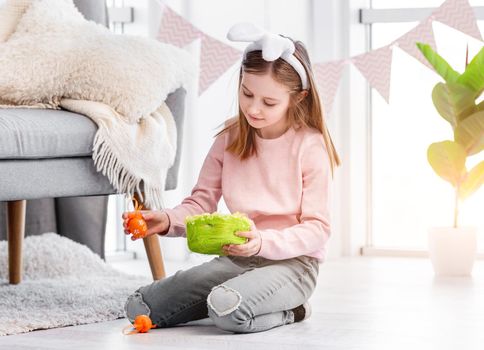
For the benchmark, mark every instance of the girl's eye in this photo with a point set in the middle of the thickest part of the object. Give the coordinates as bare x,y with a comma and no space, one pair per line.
249,95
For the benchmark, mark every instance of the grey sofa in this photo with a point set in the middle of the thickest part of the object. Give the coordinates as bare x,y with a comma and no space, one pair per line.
45,158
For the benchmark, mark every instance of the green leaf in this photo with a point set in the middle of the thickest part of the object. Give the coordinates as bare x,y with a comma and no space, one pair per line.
470,133
447,158
440,65
472,181
473,77
453,101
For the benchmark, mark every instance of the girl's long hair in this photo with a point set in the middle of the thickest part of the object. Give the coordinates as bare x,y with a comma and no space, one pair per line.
307,112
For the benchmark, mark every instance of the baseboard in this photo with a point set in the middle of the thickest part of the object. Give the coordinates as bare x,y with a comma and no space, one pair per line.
120,256
395,252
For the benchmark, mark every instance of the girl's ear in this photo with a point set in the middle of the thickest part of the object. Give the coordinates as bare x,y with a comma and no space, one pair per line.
302,95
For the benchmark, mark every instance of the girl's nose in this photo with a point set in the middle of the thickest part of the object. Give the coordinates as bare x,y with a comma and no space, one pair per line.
253,109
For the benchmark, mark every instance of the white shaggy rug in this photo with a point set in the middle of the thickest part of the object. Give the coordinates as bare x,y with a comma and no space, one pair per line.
64,284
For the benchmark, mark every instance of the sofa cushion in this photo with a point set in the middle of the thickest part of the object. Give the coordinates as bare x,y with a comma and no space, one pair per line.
47,178
44,133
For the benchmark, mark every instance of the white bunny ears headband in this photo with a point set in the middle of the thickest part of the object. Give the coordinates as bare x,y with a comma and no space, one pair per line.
273,46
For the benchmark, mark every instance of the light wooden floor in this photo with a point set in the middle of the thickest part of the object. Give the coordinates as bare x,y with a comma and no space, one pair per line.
360,303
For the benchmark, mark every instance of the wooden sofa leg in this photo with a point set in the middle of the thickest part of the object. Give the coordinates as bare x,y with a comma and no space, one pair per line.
15,236
153,251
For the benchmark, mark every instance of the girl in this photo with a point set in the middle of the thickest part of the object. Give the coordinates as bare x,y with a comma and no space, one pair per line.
273,163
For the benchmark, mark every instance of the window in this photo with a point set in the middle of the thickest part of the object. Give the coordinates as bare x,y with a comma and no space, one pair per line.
407,196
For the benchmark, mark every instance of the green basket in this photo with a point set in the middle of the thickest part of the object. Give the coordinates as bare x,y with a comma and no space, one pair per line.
208,233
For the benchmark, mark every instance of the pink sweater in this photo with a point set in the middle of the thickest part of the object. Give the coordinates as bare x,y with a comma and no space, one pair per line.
284,190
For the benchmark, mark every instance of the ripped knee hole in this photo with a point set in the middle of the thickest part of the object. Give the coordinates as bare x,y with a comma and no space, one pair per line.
223,300
135,306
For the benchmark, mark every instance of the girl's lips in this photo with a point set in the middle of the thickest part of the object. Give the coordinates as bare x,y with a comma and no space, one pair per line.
253,118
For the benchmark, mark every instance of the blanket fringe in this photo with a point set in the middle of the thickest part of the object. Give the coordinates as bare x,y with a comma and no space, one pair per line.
121,179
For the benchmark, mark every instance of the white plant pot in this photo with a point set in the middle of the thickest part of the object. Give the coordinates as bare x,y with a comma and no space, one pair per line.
452,250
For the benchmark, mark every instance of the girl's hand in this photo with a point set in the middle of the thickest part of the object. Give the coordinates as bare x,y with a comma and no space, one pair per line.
252,247
156,220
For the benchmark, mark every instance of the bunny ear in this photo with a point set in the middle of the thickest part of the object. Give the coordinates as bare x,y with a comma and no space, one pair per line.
245,31
274,46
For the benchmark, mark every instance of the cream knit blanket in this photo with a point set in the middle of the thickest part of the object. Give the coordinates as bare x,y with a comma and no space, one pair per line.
55,58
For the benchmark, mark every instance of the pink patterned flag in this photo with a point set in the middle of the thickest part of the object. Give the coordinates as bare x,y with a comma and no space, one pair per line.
376,67
422,33
458,14
175,30
216,57
327,77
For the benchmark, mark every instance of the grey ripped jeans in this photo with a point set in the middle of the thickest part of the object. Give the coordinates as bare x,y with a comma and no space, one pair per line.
239,294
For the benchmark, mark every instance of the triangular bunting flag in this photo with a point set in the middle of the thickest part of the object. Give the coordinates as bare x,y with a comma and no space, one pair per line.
327,77
175,30
422,33
216,58
458,14
376,67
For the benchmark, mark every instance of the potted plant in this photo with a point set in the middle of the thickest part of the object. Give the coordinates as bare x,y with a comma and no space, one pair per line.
452,250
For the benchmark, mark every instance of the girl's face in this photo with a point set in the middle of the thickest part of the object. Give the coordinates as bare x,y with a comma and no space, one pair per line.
264,103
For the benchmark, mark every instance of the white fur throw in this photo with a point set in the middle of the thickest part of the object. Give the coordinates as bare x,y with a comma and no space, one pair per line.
56,58
55,53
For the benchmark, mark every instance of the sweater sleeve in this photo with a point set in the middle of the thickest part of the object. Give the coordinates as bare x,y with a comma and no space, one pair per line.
313,231
206,193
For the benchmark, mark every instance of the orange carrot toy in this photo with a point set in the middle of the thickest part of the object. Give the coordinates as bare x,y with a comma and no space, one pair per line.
136,224
142,324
